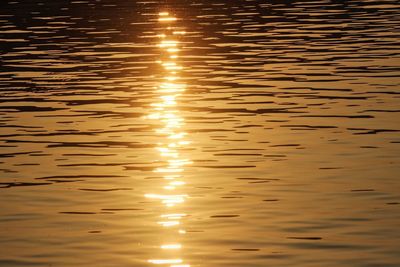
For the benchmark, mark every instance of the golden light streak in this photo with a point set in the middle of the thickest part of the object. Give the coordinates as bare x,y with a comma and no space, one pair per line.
167,19
173,216
168,261
171,78
168,43
172,50
165,111
177,183
179,32
171,246
169,223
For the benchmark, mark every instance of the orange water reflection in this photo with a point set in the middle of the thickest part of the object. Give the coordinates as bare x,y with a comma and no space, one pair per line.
165,110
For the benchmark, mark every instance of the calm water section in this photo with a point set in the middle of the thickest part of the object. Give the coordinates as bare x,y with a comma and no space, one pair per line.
199,133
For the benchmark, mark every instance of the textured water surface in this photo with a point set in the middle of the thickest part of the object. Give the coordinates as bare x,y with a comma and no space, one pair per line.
199,133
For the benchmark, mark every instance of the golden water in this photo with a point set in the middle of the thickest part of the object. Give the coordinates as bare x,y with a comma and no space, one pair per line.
199,133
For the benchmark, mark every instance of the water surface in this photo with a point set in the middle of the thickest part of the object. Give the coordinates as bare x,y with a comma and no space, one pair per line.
199,133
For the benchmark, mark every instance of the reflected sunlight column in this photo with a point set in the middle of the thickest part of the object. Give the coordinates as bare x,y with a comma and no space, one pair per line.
166,111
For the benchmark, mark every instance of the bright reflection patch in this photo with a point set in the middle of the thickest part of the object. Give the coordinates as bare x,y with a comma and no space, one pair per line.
171,246
166,261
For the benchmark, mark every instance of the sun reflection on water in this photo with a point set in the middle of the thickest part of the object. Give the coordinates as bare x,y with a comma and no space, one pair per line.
165,110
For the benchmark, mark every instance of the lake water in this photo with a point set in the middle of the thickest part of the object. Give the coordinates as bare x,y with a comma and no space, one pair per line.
200,133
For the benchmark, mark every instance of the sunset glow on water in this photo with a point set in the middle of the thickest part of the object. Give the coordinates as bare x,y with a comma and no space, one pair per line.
199,133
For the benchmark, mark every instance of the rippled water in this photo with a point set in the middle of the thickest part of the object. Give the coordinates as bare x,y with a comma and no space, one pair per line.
199,133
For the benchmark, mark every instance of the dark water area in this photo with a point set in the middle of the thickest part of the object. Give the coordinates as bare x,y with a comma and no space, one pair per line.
200,133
